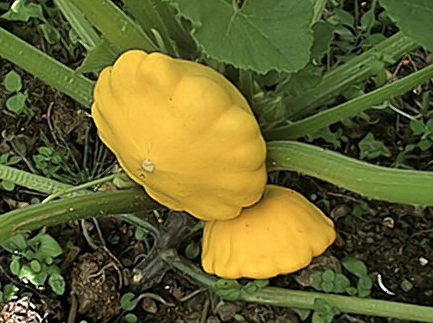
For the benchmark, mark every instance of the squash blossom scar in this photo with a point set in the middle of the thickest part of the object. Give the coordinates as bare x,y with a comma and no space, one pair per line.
147,166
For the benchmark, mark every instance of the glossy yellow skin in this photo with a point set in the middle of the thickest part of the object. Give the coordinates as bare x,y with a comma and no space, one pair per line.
278,235
183,132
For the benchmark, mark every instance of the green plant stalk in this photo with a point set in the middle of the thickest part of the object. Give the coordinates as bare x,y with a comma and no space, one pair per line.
341,78
81,189
305,300
162,16
31,181
350,108
74,208
115,25
45,68
148,13
372,181
319,7
79,23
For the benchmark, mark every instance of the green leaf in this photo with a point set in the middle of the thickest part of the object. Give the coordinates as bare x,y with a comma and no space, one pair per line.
49,260
99,57
53,270
13,82
51,34
35,265
36,279
355,266
352,291
327,286
15,243
29,254
370,148
57,283
302,80
414,18
342,17
229,294
319,317
20,11
364,282
17,103
328,275
228,289
302,313
425,144
341,283
14,160
140,234
227,284
15,265
9,292
4,158
254,286
192,250
368,20
417,127
321,305
260,36
130,318
128,302
261,283
48,247
7,186
122,180
323,34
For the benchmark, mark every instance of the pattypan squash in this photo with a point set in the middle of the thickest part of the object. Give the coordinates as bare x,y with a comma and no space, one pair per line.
182,131
278,235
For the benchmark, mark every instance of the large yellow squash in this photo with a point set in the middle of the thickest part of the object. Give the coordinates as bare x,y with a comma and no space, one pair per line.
279,235
183,132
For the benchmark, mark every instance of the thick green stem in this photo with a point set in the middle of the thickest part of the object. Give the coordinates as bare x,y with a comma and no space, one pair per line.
375,182
354,71
351,108
79,23
115,25
305,300
319,7
45,68
82,207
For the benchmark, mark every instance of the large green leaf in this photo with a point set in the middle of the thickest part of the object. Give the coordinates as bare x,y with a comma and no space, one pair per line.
414,18
261,35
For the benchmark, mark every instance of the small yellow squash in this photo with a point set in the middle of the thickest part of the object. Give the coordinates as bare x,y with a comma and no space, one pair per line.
278,235
183,132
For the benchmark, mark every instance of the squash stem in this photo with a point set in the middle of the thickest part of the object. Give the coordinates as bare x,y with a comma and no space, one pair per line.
74,208
45,68
306,300
377,182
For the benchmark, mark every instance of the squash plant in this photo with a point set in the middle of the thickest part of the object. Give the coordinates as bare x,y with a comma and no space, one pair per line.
274,55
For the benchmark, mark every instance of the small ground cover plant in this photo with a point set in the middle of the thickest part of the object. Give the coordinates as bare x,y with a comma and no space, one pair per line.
307,73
